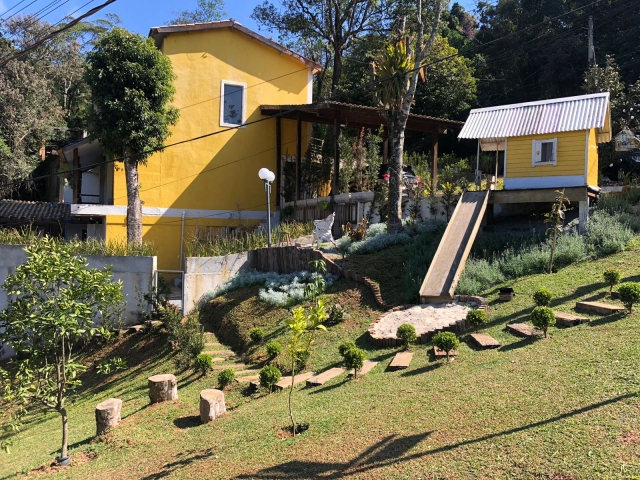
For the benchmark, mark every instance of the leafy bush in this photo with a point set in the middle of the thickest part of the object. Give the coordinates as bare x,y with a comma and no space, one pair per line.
378,242
226,378
542,317
336,314
446,341
273,349
476,318
407,333
269,376
629,294
607,234
354,359
479,275
204,363
420,253
187,338
542,297
612,277
344,346
256,334
113,365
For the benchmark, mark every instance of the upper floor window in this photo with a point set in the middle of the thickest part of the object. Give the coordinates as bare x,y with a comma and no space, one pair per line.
545,152
232,104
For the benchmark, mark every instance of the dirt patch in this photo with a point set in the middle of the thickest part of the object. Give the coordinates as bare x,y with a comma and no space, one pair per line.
424,318
78,458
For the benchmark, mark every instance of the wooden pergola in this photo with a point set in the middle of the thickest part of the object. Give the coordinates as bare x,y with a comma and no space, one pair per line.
348,115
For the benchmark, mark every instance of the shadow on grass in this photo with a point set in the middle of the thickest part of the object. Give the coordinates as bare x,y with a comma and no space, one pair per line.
392,450
187,422
419,371
328,388
520,343
608,319
170,468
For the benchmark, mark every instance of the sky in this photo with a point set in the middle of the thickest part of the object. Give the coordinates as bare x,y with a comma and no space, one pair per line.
141,15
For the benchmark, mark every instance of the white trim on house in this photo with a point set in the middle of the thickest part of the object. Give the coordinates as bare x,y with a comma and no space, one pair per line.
243,120
121,210
544,182
536,152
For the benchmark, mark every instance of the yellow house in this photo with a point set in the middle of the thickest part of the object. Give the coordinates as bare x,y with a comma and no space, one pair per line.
546,144
207,177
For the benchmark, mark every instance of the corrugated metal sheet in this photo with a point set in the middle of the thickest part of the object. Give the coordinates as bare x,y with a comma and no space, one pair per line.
535,118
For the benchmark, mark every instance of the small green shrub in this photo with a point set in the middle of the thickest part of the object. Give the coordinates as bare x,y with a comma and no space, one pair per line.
226,378
113,365
542,297
273,349
542,317
407,333
446,341
256,335
354,359
204,363
336,314
187,338
269,376
344,346
612,277
629,294
476,318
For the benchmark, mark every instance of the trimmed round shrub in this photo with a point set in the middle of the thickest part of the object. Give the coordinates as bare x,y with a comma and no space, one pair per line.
476,318
629,294
542,317
344,346
301,359
446,341
256,334
542,297
407,333
269,376
226,378
354,359
273,349
612,277
203,363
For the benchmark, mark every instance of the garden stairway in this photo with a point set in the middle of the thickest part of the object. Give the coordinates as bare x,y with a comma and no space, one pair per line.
448,263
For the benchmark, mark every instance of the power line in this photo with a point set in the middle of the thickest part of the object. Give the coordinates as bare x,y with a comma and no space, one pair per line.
15,13
7,11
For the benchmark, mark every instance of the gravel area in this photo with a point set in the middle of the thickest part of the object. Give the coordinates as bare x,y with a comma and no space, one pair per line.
423,317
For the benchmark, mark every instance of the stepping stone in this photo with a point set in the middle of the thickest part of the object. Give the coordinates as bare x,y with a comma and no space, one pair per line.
567,320
285,382
233,366
484,340
523,330
599,308
439,353
251,378
212,344
401,360
324,377
366,368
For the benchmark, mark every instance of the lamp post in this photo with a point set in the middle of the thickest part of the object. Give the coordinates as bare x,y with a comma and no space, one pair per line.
267,176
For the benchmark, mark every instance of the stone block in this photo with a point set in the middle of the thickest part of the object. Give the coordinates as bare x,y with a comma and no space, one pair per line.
211,405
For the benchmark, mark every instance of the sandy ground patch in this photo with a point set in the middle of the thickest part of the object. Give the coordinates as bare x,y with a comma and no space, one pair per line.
423,317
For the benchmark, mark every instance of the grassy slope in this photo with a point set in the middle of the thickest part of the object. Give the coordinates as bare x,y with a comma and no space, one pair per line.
562,408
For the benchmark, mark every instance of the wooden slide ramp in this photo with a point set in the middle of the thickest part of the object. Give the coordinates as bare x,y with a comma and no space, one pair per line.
442,278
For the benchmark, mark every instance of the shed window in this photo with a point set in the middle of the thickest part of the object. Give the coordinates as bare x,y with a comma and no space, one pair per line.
545,152
232,106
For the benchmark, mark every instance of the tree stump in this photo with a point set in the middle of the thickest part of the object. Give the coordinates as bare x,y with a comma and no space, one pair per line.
108,415
211,405
163,388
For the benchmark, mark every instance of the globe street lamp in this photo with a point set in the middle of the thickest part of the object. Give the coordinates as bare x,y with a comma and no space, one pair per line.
267,176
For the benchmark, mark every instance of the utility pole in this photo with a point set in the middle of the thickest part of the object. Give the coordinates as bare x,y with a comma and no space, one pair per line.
592,52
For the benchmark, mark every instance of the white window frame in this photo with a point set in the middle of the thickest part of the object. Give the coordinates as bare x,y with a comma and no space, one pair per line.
223,83
536,152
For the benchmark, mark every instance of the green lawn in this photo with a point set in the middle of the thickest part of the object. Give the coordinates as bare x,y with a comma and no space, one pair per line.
562,408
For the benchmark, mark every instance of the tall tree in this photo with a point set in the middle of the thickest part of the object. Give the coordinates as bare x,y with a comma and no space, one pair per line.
399,67
206,11
132,85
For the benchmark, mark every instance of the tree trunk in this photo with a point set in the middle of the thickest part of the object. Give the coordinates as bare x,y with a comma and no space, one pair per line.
337,72
293,377
134,206
65,432
396,129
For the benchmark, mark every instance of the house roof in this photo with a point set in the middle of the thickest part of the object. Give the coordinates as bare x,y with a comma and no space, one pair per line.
160,33
354,115
494,124
34,211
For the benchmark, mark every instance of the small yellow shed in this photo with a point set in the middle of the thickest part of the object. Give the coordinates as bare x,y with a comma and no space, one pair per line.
546,144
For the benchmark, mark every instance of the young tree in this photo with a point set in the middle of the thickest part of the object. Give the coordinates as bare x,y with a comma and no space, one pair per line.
543,317
556,219
476,318
206,11
54,301
446,341
399,66
629,294
132,85
612,277
354,359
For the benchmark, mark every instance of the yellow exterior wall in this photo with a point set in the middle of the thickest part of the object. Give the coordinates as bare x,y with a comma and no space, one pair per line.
219,172
571,156
592,154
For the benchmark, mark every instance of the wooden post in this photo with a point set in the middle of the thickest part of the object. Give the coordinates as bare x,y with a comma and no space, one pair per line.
434,161
278,160
298,158
76,176
108,415
336,154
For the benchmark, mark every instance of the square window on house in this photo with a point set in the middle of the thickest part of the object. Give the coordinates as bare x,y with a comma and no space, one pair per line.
232,106
544,152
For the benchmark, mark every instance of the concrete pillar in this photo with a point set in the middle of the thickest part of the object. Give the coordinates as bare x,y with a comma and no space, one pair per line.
583,216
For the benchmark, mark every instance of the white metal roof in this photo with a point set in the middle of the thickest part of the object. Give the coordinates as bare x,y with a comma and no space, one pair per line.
494,124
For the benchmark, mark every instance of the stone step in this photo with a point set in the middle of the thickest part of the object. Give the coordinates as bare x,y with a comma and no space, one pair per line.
567,320
439,353
285,382
233,366
366,368
401,360
212,344
523,330
251,371
224,359
220,353
252,378
484,340
599,308
325,377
